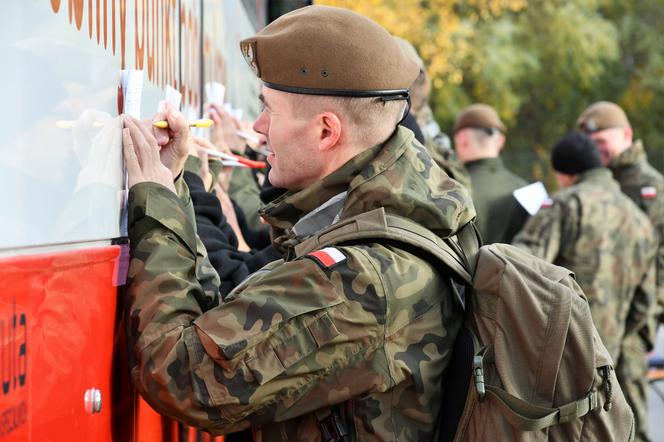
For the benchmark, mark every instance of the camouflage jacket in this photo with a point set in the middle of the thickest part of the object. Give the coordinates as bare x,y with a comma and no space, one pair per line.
645,186
592,229
440,147
371,331
499,214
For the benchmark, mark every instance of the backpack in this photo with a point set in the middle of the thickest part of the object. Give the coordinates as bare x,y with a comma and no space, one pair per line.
528,364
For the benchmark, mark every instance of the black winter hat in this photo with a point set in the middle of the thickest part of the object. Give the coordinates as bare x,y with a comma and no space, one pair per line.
575,153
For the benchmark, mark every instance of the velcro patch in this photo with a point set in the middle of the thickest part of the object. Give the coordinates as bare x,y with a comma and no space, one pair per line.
327,257
648,192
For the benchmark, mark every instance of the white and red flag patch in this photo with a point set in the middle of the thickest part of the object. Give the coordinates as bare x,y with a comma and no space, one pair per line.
546,203
327,257
648,192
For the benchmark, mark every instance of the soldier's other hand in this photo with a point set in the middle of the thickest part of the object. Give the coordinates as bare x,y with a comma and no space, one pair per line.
141,153
175,140
224,130
202,146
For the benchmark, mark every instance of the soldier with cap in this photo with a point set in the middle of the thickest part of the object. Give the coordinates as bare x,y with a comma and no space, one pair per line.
607,124
478,139
344,342
593,229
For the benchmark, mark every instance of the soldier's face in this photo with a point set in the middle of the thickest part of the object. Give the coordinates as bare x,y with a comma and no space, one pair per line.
611,142
291,140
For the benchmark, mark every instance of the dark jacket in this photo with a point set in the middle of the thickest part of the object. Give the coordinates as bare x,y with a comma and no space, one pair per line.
220,241
499,214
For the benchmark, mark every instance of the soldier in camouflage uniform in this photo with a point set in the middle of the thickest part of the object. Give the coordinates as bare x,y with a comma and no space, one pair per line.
607,124
353,338
436,141
478,140
593,229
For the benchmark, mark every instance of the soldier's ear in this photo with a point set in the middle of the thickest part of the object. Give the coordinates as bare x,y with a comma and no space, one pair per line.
628,134
500,142
330,131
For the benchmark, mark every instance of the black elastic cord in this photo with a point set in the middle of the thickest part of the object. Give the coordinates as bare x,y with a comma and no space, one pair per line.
385,95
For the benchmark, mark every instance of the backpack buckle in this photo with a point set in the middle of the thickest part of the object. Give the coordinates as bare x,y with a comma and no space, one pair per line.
478,372
331,427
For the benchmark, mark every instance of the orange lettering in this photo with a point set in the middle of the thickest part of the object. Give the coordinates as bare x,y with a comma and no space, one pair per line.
98,17
55,4
90,18
150,23
123,30
139,46
113,25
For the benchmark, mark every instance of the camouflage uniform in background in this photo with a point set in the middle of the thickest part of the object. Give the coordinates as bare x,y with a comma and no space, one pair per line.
645,186
245,192
372,331
440,147
595,231
499,214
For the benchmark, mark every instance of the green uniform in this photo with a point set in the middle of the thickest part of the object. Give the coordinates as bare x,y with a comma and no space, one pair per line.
595,231
499,214
245,192
367,326
440,148
645,186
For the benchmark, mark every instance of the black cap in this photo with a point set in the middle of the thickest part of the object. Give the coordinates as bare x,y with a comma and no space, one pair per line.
575,153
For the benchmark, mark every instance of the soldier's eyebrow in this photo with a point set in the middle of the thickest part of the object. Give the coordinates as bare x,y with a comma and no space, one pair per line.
262,98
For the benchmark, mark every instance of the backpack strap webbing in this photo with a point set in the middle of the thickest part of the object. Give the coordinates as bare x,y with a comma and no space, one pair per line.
530,417
377,225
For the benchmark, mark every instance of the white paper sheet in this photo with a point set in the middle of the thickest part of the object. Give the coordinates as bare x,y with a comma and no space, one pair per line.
531,196
215,92
132,90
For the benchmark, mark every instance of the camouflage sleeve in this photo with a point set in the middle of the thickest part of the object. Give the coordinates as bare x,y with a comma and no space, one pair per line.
641,316
654,207
641,319
278,348
161,225
660,273
545,232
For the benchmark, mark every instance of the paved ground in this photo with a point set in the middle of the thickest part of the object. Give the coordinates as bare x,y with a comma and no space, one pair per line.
656,403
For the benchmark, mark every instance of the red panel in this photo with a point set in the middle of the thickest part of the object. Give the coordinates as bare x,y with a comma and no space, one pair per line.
60,335
57,327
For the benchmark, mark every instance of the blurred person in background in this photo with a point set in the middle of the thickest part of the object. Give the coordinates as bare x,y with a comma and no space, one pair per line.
479,137
607,125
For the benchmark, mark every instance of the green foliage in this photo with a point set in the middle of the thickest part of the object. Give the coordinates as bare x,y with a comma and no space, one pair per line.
538,62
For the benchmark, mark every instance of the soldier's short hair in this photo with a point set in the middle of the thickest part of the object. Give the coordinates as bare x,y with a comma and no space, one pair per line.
371,120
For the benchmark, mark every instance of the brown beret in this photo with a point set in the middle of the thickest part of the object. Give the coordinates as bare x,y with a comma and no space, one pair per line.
602,115
322,50
478,115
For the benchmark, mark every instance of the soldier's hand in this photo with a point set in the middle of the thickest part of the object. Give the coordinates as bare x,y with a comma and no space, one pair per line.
201,147
141,153
224,130
175,140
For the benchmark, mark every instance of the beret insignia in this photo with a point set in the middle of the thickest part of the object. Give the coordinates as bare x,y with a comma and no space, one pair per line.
248,48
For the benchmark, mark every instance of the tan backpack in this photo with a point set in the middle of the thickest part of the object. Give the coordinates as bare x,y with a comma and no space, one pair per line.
539,369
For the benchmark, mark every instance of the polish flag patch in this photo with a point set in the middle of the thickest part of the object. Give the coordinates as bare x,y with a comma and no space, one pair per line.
546,203
648,192
327,257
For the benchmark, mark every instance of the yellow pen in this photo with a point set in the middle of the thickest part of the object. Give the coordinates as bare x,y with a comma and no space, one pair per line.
205,122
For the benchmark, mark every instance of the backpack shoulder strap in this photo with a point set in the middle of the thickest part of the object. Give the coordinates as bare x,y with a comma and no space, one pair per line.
377,225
